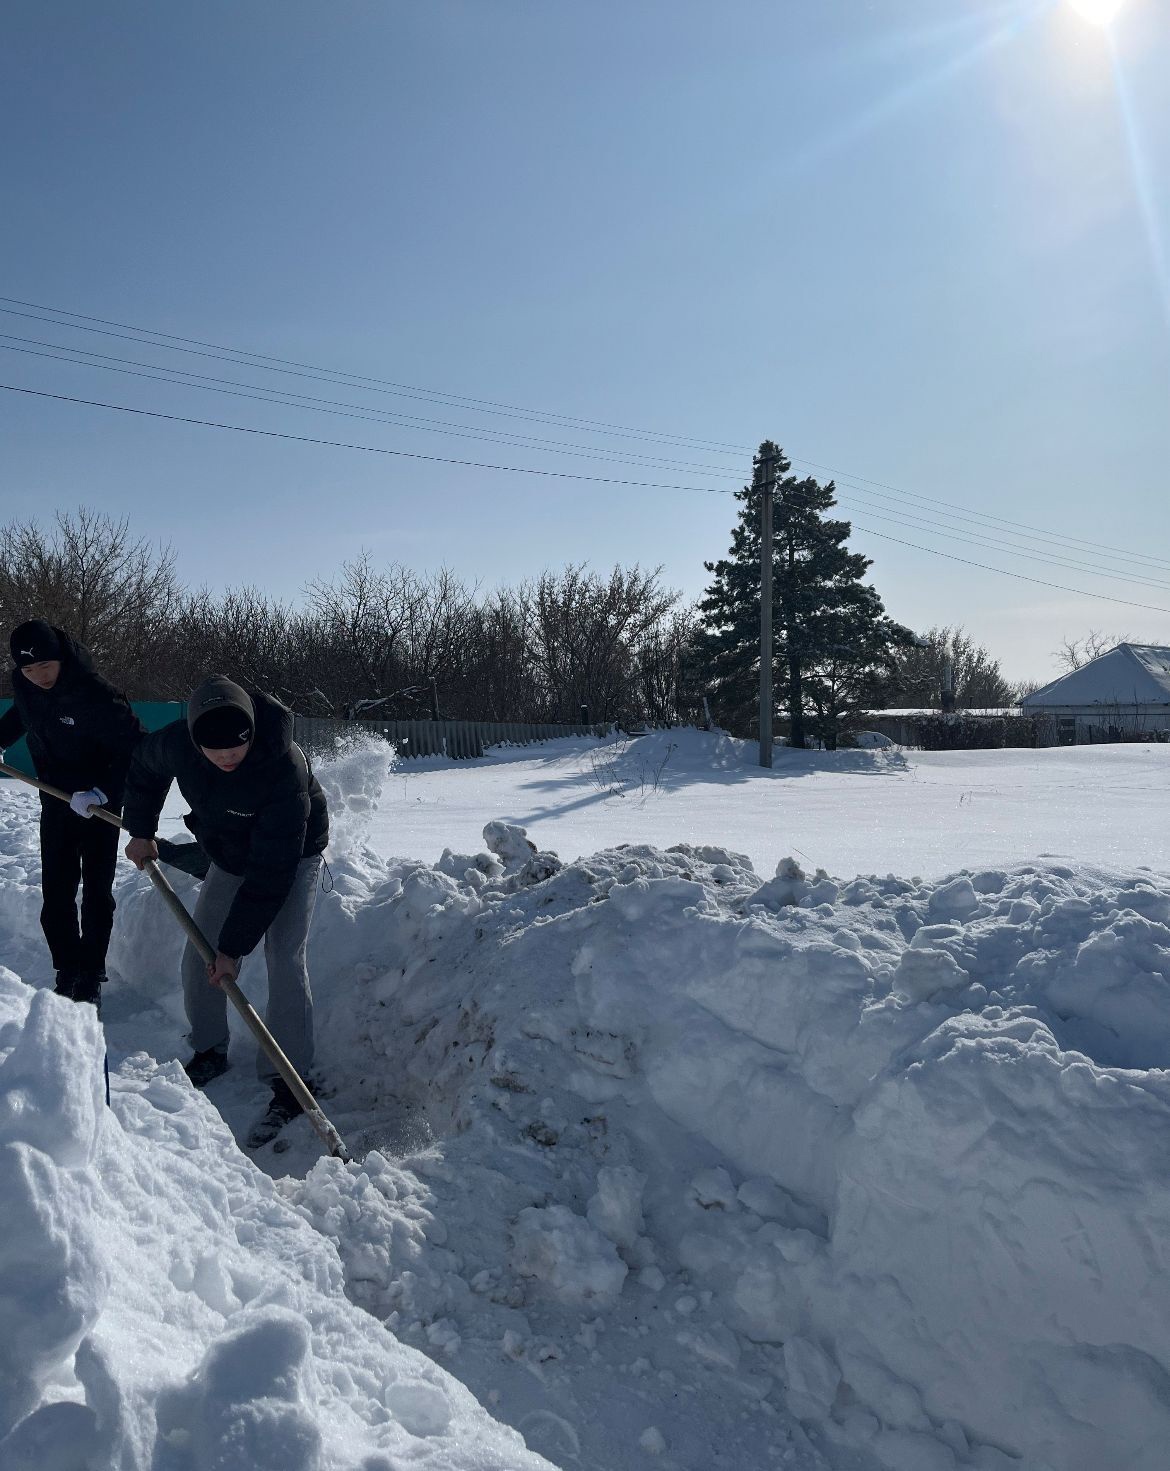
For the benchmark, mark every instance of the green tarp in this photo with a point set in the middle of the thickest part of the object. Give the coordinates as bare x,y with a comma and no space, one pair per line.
152,713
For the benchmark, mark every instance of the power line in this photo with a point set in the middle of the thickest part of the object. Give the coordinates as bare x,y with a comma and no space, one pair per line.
994,544
407,390
284,398
553,474
200,347
1021,527
329,405
911,521
371,449
1019,576
914,522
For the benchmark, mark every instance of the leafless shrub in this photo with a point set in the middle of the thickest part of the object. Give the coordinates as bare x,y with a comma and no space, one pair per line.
621,770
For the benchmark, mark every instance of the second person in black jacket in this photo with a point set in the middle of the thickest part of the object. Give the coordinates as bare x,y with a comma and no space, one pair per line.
80,733
260,814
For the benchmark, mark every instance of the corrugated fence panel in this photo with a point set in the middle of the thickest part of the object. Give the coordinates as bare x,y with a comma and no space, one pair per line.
461,740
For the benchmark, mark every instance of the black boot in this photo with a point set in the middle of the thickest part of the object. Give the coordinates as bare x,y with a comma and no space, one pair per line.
282,1107
206,1065
64,982
88,987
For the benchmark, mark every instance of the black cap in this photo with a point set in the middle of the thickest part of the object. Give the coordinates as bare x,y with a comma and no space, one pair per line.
34,642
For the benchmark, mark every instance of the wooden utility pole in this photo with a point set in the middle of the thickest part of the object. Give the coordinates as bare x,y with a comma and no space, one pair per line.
765,481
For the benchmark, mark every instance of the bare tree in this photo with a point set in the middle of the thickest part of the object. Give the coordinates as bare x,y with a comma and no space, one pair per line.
363,618
371,639
588,630
385,635
1074,653
660,663
439,621
499,678
979,682
110,590
248,636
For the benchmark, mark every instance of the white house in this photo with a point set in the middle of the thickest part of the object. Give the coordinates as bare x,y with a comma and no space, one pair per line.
1121,695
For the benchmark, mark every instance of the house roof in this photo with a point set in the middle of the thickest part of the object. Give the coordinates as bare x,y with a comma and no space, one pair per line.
934,710
1130,674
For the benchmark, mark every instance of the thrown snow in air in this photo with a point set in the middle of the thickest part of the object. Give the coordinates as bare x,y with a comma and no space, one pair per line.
676,1161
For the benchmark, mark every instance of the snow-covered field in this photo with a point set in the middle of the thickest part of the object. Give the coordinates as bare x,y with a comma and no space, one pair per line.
848,812
672,1159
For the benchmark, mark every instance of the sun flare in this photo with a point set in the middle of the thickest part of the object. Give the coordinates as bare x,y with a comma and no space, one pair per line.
1097,12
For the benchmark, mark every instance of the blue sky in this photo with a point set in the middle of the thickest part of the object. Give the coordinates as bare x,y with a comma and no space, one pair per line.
916,242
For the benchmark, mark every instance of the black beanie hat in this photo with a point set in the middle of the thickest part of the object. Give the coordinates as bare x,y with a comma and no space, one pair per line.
34,642
222,728
220,714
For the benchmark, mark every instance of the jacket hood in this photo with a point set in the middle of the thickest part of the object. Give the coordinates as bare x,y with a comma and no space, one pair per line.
271,722
274,725
77,656
219,693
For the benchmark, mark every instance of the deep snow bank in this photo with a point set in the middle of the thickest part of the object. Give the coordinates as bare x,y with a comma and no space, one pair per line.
890,1156
161,1309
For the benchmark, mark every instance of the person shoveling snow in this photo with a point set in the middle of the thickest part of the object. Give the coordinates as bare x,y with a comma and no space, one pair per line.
80,732
261,816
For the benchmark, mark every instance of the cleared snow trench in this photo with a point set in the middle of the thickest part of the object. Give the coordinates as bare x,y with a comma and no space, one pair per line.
679,1167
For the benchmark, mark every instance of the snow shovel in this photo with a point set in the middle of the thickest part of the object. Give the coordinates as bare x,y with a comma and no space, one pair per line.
329,1135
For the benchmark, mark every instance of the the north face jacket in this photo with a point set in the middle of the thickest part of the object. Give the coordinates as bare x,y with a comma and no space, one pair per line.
258,821
81,733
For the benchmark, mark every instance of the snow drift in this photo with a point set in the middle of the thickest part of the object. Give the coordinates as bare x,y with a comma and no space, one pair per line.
899,1146
161,1307
673,1162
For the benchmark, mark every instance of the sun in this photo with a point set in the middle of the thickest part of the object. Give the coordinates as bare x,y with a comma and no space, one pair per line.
1097,12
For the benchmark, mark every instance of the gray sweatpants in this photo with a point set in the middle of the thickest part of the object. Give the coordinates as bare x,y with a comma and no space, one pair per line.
290,1002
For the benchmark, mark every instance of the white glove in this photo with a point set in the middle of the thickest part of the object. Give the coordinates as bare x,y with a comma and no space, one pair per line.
84,803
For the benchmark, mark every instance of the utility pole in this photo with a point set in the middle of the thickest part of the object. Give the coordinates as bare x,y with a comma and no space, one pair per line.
765,481
948,687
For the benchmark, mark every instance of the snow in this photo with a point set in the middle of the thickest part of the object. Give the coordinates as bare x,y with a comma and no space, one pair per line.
162,1306
849,812
686,1152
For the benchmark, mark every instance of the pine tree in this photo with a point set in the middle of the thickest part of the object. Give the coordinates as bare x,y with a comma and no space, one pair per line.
832,641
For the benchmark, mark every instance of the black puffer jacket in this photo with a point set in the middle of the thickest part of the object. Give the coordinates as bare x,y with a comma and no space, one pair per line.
258,821
81,733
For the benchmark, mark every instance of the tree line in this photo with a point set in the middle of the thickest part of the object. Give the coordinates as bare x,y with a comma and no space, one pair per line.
373,640
386,641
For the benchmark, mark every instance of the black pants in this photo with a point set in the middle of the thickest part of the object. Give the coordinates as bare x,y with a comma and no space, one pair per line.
77,850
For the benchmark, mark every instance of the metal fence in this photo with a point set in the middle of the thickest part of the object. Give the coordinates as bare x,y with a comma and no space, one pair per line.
459,739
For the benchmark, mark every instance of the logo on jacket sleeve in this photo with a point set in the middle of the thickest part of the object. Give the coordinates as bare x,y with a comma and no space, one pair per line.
67,720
